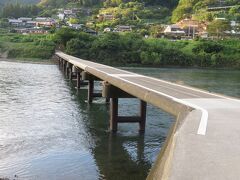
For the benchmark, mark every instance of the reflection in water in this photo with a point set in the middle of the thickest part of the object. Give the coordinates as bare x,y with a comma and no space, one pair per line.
48,131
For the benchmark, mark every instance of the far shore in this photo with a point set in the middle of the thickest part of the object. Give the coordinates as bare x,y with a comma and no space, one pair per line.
31,61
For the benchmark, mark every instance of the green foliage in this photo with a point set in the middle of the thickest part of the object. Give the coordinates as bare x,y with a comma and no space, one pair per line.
61,3
208,47
217,27
17,10
198,10
2,2
130,48
74,21
107,3
80,45
63,35
30,46
133,13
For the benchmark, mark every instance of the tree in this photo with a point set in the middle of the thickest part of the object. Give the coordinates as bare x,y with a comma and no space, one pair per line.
63,35
217,27
17,10
74,21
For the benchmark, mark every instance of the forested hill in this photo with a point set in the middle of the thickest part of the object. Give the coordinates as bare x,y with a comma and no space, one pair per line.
59,3
197,9
2,2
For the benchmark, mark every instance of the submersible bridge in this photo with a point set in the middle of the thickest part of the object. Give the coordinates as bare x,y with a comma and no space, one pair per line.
204,141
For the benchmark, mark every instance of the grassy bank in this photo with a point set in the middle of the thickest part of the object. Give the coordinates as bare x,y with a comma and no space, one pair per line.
26,47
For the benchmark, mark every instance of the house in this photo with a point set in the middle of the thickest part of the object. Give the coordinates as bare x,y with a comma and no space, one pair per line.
105,17
204,35
70,13
235,25
45,22
192,27
76,26
15,22
174,30
121,28
25,19
108,17
39,19
30,24
31,31
107,29
61,16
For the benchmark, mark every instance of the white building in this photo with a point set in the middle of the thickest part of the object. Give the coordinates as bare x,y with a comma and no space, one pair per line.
61,16
76,26
15,22
174,30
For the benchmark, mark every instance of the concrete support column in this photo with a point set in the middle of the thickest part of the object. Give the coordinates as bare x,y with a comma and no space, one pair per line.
90,90
70,71
67,69
107,100
143,110
114,114
78,80
63,65
59,62
110,91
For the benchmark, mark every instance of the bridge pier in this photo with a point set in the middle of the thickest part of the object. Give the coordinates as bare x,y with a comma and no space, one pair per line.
114,93
78,79
62,64
74,74
70,71
90,78
59,62
67,69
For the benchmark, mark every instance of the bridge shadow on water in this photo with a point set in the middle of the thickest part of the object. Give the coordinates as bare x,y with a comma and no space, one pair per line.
126,154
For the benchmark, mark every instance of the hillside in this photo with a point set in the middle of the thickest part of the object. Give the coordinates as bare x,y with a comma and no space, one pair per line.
59,3
2,2
198,9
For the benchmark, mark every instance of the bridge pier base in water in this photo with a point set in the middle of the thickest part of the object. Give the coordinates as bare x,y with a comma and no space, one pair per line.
114,93
68,67
63,65
59,62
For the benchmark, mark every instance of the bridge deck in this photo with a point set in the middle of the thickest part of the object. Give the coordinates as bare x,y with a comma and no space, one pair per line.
203,144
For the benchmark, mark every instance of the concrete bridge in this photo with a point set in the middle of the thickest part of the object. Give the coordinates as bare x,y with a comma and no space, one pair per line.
204,141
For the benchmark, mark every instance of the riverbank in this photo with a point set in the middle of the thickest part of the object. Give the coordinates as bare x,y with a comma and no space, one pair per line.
126,49
31,61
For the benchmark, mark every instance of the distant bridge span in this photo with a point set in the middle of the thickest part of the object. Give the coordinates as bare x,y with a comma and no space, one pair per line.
204,141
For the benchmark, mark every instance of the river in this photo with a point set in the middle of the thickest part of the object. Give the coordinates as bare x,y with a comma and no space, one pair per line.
48,131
